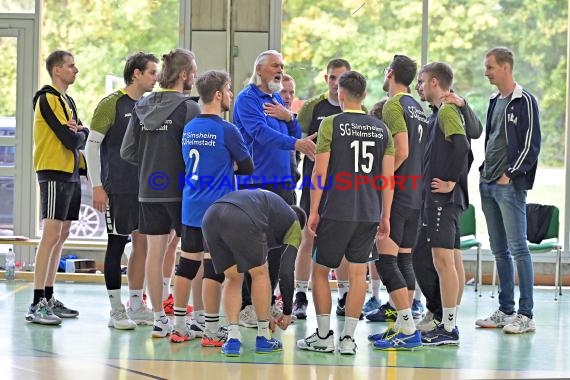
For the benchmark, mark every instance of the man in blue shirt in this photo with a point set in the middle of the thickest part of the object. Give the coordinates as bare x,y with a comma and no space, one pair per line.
210,147
269,130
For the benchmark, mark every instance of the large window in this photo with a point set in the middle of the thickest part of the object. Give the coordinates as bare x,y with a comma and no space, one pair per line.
17,6
100,35
460,34
368,34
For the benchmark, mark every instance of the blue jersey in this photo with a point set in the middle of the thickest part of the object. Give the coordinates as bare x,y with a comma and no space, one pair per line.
210,145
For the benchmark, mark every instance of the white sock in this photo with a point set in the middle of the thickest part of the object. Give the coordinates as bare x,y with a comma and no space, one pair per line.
343,287
160,316
349,326
398,322
165,288
323,324
135,299
407,324
234,332
180,322
302,286
449,318
212,323
263,329
391,302
199,316
115,298
376,289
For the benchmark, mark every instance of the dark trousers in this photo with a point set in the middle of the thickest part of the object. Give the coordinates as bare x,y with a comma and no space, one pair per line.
426,275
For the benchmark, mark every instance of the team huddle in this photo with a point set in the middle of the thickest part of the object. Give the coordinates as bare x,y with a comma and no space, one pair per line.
166,168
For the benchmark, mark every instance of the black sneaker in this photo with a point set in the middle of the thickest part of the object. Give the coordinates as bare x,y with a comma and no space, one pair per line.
440,336
385,313
300,305
340,307
61,310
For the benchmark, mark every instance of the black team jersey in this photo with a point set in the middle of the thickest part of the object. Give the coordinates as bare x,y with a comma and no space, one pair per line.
357,144
111,118
402,113
310,117
445,160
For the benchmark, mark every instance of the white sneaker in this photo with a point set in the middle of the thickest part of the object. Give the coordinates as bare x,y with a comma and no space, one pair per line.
162,328
119,320
347,345
276,311
316,343
520,325
142,316
179,336
428,323
41,313
196,327
247,317
496,320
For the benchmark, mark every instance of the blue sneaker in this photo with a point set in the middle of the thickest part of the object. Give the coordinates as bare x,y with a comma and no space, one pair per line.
232,347
267,346
400,341
384,335
385,313
440,336
417,309
372,304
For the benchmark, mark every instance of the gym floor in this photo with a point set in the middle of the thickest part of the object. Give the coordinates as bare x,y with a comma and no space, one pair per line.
86,348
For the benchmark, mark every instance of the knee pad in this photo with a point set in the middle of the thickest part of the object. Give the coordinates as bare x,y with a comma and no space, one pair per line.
387,266
407,269
188,268
210,273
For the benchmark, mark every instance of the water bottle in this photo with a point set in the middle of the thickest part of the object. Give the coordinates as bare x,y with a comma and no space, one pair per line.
10,265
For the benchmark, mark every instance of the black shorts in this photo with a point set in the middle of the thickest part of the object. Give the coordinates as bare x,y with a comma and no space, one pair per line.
192,240
60,200
233,239
284,190
353,240
122,215
443,229
160,218
404,223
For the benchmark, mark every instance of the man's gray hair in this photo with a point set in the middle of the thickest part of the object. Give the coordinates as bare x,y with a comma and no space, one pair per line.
260,60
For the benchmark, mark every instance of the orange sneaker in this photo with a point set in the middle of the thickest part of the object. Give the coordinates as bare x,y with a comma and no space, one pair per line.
181,336
168,306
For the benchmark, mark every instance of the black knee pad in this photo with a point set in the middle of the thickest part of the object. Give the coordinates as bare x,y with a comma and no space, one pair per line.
210,273
407,269
188,268
387,266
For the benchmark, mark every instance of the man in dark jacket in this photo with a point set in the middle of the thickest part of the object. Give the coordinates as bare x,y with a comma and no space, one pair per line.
512,144
445,195
153,141
424,268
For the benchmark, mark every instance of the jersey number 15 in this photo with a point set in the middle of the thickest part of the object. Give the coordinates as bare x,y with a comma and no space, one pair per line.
363,159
